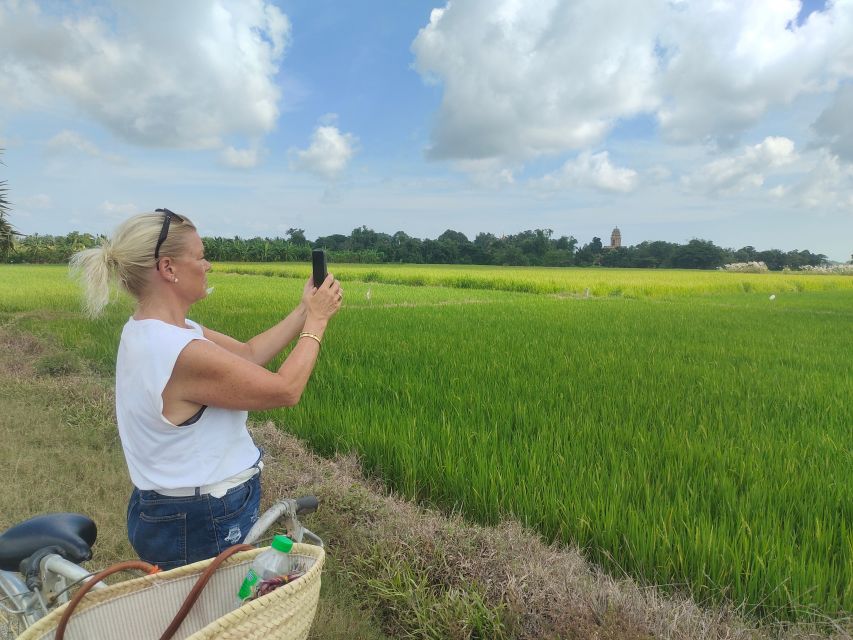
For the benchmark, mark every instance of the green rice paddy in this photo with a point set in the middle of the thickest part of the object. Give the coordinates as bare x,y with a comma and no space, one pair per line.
681,427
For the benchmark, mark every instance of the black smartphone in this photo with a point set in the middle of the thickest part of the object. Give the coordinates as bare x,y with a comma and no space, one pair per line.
318,258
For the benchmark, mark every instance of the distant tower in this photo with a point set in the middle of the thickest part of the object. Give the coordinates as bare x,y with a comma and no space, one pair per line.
615,239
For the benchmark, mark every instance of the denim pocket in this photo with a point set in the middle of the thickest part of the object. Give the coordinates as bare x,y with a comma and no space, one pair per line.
236,512
161,540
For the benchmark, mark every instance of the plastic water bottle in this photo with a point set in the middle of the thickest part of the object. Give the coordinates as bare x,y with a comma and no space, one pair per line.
270,565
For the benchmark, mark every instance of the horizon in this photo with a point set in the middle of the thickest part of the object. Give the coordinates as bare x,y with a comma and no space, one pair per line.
680,121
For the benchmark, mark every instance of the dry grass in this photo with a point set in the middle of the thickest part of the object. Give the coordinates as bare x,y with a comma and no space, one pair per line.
420,573
60,452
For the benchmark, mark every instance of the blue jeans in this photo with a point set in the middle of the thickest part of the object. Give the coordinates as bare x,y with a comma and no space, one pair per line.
172,532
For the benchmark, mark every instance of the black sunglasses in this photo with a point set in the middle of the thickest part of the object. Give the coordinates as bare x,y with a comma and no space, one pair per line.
167,220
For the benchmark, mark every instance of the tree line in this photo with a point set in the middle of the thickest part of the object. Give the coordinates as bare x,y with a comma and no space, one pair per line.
538,247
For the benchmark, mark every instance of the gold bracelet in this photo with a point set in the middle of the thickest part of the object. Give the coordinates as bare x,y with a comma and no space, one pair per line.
305,334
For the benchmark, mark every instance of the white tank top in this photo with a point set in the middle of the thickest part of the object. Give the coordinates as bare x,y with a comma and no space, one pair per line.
159,454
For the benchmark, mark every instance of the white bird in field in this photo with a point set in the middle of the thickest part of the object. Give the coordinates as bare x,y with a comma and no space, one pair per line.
772,296
367,295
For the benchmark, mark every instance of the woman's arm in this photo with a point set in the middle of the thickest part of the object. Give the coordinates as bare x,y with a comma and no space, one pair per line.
209,374
265,346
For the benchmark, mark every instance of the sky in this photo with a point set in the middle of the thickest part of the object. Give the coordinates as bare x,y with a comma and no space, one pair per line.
730,121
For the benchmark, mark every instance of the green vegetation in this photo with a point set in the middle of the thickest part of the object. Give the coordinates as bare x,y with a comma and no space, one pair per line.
627,283
678,428
537,248
7,231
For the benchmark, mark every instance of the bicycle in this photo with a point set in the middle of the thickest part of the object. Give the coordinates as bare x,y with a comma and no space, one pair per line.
40,558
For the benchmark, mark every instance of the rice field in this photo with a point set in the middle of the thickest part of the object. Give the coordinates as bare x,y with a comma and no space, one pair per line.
681,427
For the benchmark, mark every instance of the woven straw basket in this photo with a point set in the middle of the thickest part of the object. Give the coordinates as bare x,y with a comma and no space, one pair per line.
142,608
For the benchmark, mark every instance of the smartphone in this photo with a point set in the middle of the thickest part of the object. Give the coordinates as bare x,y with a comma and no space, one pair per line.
318,258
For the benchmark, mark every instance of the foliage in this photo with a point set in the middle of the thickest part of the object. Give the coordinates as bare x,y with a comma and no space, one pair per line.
7,231
47,249
533,248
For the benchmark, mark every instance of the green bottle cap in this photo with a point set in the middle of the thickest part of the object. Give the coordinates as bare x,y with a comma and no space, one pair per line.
282,543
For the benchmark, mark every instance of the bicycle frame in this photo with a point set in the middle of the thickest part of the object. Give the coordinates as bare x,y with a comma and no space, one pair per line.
57,574
286,510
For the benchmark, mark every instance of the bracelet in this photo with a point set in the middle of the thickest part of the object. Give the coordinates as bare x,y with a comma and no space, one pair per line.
305,334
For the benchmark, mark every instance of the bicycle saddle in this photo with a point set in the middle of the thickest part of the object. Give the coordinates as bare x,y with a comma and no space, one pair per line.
72,533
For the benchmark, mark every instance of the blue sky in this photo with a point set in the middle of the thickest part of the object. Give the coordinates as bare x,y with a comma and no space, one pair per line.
671,119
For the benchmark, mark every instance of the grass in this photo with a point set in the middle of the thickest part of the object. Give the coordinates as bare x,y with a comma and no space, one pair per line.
696,440
61,452
598,282
392,567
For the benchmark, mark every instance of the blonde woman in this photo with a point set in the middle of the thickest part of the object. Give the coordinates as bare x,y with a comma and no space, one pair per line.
183,390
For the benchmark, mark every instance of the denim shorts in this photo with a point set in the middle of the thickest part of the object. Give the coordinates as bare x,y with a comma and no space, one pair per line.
171,532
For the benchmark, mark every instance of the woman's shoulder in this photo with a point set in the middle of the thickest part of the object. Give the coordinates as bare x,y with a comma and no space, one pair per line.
153,327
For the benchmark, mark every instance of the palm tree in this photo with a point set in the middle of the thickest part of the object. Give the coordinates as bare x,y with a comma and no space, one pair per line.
7,231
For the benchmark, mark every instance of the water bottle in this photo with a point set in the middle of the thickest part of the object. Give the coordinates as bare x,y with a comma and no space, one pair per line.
269,570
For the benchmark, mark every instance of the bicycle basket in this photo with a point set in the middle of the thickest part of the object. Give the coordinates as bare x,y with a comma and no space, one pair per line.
142,608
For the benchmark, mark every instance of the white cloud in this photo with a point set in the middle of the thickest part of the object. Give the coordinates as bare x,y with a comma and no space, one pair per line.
71,141
726,64
486,172
119,210
523,79
240,158
826,186
156,74
592,171
746,170
835,125
328,154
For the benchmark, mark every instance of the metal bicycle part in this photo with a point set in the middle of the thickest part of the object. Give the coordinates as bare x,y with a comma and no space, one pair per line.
22,607
19,607
287,511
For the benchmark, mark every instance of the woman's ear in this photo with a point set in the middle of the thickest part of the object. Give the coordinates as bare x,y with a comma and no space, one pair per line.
166,269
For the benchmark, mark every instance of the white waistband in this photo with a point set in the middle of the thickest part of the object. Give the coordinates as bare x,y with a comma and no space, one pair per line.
217,489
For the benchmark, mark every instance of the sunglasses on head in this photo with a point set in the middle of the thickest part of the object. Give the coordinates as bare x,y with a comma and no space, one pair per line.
164,231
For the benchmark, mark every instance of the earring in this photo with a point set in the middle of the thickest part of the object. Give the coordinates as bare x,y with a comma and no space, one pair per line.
174,279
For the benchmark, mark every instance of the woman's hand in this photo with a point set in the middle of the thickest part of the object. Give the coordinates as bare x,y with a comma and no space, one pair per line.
324,301
307,291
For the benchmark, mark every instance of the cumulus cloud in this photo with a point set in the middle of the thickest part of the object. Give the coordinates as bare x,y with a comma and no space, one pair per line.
835,125
328,154
826,186
746,170
592,171
68,141
179,75
523,79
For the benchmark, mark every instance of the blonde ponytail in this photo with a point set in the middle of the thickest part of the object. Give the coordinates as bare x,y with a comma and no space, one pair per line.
128,258
93,269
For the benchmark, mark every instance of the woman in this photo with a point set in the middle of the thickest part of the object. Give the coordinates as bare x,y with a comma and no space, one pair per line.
183,391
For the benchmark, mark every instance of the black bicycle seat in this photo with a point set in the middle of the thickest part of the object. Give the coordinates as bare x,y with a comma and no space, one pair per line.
72,533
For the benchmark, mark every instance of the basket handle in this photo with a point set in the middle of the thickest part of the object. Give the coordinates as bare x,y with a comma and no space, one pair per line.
121,566
199,586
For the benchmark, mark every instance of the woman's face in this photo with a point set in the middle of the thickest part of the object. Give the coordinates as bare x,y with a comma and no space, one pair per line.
191,269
